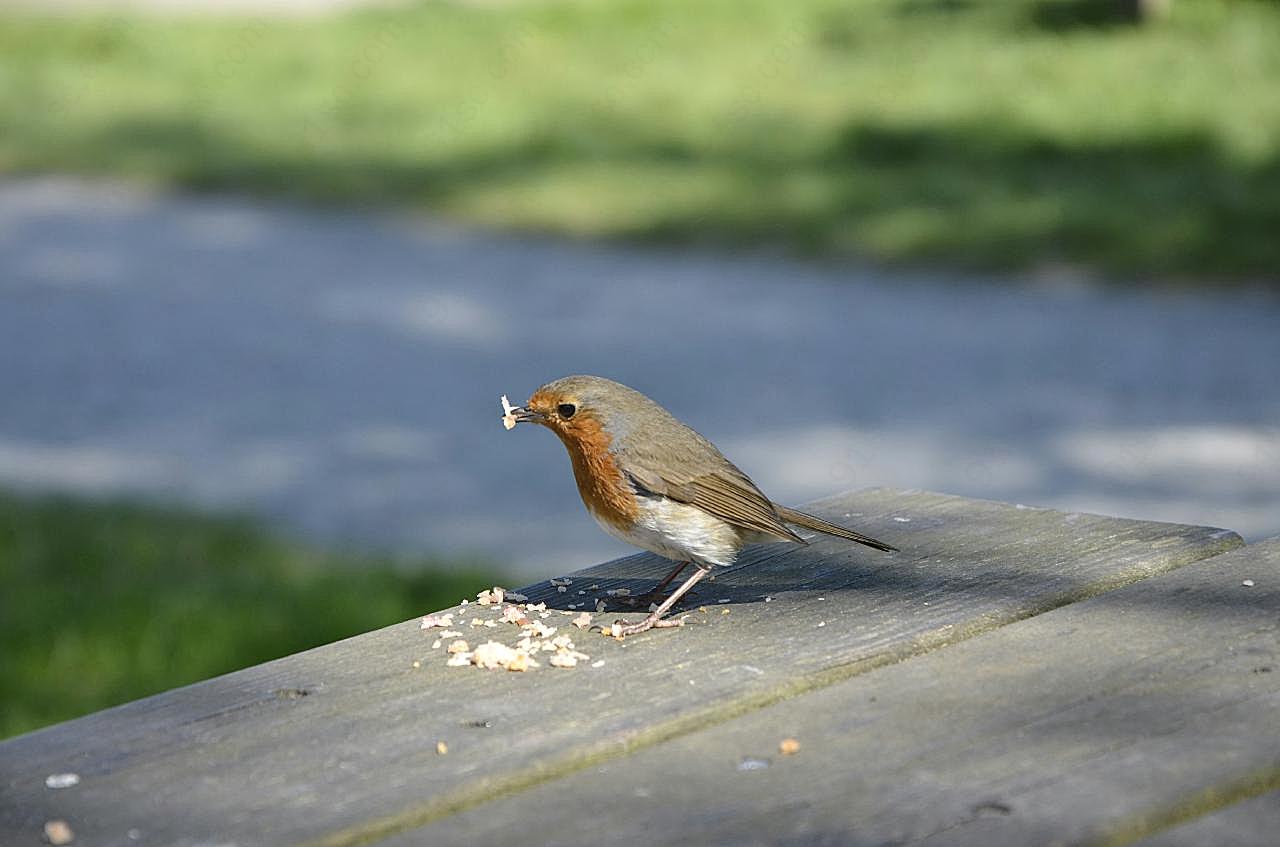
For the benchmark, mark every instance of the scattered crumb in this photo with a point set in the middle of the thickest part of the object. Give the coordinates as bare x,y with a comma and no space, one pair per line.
458,660
598,663
58,832
417,664
600,607
768,599
538,629
723,600
512,614
614,630
560,580
561,589
435,645
822,623
444,620
1248,583
619,592
492,597
493,654
442,748
459,646
536,607
563,659
725,611
582,621
521,662
789,746
516,598
62,780
508,416
592,587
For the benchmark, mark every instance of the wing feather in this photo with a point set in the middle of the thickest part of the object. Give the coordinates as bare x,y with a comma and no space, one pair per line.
728,494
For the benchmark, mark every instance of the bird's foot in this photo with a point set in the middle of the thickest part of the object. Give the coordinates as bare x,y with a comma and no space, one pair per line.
621,629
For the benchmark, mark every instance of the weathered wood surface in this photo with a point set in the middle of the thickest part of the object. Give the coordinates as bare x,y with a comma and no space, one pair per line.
1096,723
338,745
1254,822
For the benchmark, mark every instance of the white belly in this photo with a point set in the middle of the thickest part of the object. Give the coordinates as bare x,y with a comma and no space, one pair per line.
679,532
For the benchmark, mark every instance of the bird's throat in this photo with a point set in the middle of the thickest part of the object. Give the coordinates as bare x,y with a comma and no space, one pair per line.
604,489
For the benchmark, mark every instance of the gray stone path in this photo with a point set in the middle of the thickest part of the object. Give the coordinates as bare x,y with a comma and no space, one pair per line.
339,373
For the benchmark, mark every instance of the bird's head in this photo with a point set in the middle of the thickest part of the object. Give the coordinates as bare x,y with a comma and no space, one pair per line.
584,409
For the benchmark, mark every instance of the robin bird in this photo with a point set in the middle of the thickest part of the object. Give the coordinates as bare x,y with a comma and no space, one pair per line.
653,482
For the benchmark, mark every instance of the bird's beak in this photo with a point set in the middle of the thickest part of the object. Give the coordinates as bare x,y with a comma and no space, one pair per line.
523,415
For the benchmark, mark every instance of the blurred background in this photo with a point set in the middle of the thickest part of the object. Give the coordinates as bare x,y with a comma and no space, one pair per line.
265,268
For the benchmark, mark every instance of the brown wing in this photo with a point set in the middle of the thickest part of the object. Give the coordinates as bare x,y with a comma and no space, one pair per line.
728,494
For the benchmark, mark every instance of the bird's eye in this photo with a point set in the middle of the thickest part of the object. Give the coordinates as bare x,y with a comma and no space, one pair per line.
566,410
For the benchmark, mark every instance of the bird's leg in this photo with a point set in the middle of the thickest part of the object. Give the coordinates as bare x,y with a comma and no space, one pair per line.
653,594
655,617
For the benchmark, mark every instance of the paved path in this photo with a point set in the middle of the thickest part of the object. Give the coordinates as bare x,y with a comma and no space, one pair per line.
339,373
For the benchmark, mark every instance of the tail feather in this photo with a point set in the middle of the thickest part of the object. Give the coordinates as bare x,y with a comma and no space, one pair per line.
810,522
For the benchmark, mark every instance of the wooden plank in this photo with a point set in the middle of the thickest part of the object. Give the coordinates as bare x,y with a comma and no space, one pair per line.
1097,723
338,745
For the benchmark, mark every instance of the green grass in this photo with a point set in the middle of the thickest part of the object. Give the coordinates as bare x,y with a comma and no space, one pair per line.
980,133
105,603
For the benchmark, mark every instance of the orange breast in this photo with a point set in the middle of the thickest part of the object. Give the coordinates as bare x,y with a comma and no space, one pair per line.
603,487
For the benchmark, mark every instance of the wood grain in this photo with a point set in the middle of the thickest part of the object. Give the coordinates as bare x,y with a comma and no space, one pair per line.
337,745
1120,717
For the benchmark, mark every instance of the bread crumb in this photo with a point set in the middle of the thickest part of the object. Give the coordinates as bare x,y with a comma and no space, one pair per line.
789,746
444,620
62,780
563,659
538,629
58,832
582,621
459,646
508,414
442,748
494,654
